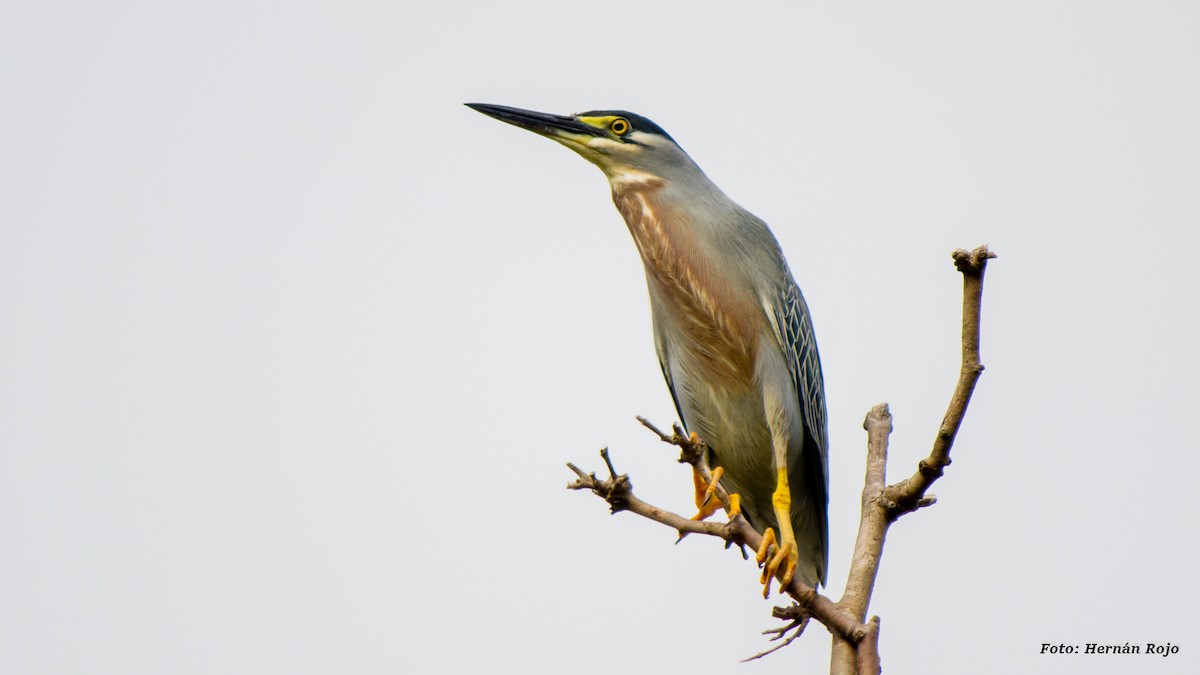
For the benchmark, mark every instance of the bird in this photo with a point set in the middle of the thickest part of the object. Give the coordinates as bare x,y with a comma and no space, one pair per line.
733,333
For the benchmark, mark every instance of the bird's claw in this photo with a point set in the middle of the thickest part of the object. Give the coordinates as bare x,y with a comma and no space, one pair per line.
702,500
707,500
777,560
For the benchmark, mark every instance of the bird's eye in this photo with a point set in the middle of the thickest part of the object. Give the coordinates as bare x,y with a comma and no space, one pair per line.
619,126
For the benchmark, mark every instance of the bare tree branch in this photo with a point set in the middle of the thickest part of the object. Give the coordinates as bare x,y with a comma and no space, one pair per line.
618,492
909,494
882,506
872,529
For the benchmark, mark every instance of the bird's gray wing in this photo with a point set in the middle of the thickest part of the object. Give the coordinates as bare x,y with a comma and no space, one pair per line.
793,326
661,349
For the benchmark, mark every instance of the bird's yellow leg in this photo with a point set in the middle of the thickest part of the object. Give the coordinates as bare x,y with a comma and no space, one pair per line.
782,562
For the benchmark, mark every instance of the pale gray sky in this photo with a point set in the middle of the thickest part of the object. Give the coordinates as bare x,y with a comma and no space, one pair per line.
294,346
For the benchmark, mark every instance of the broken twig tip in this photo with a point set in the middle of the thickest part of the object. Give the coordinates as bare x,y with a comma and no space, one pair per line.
611,471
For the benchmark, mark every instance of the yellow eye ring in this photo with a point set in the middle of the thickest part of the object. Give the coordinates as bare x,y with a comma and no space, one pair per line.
619,126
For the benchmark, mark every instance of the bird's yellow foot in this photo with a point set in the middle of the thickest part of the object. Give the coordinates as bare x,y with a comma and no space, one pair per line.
707,500
777,560
735,505
782,561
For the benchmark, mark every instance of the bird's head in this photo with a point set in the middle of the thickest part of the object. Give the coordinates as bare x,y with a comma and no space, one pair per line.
625,145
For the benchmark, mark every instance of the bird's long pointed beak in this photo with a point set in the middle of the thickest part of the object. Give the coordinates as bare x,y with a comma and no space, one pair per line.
546,124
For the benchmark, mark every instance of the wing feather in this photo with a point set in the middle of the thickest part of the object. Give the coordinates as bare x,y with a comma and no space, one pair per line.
661,348
804,363
793,324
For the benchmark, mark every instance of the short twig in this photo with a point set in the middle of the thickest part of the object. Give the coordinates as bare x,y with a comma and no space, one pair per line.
692,449
608,461
868,650
616,490
797,618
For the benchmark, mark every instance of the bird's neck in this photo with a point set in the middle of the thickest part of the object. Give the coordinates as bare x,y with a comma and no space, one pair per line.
665,248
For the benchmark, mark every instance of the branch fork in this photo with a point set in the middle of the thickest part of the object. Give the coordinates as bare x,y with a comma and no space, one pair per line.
616,489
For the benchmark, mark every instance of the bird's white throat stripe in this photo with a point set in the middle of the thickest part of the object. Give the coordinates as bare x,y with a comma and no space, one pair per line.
630,177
